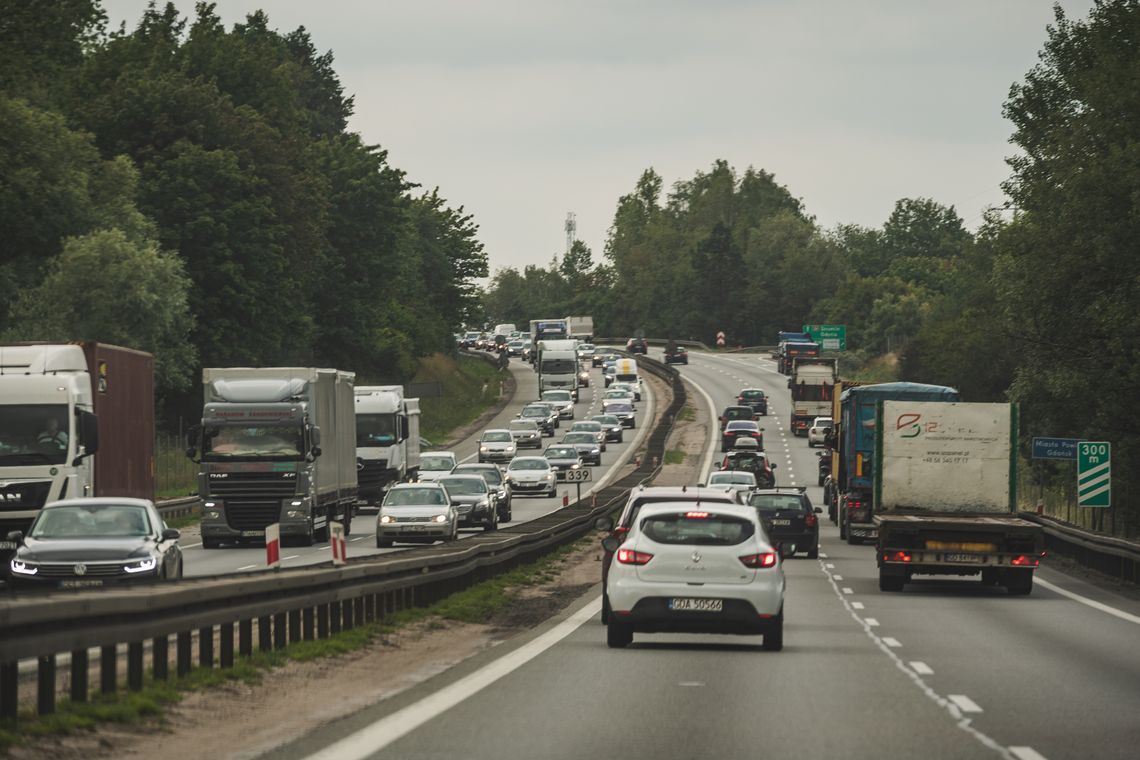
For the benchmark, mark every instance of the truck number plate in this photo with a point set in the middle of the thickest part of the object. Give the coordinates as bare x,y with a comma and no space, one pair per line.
7,545
970,558
696,605
252,533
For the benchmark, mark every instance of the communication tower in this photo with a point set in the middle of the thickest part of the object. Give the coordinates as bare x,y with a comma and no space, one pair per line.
571,231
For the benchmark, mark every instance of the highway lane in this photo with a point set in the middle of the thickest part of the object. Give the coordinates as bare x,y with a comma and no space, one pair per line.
947,668
227,560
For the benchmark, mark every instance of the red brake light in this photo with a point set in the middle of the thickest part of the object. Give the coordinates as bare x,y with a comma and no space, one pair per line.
696,515
631,557
854,504
1022,560
761,560
811,521
896,557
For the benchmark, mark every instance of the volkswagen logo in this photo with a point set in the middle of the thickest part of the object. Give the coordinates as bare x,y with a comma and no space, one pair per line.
696,557
80,569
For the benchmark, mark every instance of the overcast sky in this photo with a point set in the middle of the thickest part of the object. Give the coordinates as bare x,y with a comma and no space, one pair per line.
524,111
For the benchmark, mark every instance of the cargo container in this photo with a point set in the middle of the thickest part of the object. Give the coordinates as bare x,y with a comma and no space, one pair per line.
60,404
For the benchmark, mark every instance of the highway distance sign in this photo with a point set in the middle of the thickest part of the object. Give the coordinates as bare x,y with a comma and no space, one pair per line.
1094,474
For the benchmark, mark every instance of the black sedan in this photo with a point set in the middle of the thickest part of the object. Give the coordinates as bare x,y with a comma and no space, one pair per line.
677,355
82,543
789,517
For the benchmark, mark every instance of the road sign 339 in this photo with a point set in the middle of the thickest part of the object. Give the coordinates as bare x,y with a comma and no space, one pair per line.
1094,474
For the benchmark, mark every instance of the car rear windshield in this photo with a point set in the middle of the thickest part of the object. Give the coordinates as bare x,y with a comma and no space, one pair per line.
738,413
752,394
739,478
742,425
771,502
697,528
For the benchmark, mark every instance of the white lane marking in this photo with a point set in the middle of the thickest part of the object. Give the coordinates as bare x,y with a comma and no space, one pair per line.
837,577
923,669
714,431
358,538
871,622
892,643
847,590
691,683
1089,602
248,567
823,556
856,605
191,546
829,565
371,739
291,556
962,722
1026,753
965,704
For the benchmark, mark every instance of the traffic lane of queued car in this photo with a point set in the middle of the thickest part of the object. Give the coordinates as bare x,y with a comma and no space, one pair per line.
94,542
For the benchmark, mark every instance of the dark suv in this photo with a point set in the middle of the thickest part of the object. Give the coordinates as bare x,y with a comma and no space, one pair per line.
637,346
755,398
788,517
639,497
676,355
731,413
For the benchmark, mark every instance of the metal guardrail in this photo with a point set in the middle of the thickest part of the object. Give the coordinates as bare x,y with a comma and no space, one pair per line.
1114,557
280,606
181,507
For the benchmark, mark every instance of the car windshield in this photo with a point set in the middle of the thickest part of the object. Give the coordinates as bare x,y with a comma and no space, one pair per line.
585,427
402,497
578,438
92,521
437,462
528,464
33,434
535,411
556,396
522,425
489,474
561,452
772,502
619,407
752,395
244,440
465,486
697,528
620,393
607,419
497,436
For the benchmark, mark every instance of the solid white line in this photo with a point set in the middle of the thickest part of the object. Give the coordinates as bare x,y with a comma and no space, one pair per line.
1090,602
1026,753
965,704
921,668
291,556
714,431
191,546
248,567
371,739
892,643
871,622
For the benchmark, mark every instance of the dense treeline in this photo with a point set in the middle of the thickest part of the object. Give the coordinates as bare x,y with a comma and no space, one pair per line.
194,191
1040,305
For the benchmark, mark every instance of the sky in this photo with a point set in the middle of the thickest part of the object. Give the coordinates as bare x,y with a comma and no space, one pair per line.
523,111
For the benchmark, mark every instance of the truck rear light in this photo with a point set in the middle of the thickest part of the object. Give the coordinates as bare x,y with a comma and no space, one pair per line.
631,557
1023,560
761,560
854,504
896,556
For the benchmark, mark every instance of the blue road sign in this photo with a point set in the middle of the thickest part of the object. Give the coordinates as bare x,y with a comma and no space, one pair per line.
1055,448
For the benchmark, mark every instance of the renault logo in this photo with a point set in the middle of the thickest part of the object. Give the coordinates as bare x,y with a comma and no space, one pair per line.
80,569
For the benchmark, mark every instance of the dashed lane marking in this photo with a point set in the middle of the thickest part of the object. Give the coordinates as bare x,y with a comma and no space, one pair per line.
829,565
856,605
921,668
837,577
1026,753
872,622
891,642
964,703
848,590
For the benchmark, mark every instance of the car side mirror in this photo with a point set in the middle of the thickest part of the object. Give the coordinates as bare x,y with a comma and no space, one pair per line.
316,451
171,534
16,537
604,523
611,544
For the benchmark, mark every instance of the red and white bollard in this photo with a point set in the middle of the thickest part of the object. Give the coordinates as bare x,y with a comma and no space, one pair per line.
337,542
565,498
273,545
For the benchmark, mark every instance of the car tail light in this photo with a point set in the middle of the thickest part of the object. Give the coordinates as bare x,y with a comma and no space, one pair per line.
761,560
810,521
1023,560
631,557
696,515
897,556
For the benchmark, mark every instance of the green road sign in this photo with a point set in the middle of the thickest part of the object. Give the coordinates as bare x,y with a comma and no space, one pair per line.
829,337
1094,474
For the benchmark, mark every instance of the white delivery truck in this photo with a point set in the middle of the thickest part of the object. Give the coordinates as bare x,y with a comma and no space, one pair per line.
557,365
812,383
581,328
387,439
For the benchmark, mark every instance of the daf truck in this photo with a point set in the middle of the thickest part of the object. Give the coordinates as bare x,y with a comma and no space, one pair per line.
812,383
945,495
557,365
76,419
387,440
276,445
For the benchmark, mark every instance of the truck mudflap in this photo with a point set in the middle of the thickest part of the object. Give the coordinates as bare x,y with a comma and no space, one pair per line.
866,531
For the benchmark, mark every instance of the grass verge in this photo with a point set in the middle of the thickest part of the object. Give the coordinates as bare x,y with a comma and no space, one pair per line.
473,605
470,386
674,456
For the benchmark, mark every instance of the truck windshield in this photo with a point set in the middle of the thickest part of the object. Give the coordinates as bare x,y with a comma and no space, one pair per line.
559,366
257,441
375,430
33,434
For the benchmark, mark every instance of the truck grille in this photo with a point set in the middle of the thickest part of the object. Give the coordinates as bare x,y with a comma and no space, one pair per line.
252,515
372,475
252,485
22,496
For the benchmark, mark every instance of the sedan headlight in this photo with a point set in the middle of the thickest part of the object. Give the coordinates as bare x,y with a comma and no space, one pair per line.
385,519
511,448
142,565
484,503
23,568
440,518
550,476
483,449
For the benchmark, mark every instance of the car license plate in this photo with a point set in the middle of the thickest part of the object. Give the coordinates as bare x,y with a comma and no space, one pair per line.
781,522
696,605
971,558
413,528
252,533
7,545
85,583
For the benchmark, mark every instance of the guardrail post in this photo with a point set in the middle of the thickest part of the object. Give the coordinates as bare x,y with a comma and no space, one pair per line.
245,637
279,631
307,621
322,621
358,610
294,625
370,608
79,665
348,614
108,666
9,689
264,634
45,686
226,645
184,654
334,616
160,657
206,647
135,666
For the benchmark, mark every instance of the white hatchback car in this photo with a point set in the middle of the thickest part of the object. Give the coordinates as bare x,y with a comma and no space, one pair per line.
436,464
694,567
817,433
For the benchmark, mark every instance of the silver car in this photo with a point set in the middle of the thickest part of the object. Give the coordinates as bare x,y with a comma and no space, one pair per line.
590,426
496,446
563,401
526,433
532,475
435,464
416,513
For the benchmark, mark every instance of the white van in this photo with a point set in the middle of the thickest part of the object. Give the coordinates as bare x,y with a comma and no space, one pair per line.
625,371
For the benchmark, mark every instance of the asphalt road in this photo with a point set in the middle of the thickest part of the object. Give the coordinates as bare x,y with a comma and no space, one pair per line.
945,669
362,542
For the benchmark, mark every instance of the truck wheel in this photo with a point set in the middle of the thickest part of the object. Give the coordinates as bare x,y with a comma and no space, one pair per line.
618,635
890,581
774,638
1019,582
